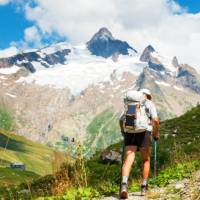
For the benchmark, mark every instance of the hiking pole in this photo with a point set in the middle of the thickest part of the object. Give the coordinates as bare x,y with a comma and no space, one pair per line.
155,159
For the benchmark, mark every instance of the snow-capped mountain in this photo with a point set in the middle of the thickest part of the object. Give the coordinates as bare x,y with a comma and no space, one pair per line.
75,67
102,44
175,86
46,58
170,71
105,45
60,89
82,69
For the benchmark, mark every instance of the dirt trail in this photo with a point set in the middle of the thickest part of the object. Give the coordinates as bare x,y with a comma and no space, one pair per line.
186,189
132,196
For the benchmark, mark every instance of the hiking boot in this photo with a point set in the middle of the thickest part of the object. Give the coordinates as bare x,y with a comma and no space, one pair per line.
123,191
144,189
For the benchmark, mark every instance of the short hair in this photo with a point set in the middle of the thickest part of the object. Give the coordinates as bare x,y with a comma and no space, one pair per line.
148,96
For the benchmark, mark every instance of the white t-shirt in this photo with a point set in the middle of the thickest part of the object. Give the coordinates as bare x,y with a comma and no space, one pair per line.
151,111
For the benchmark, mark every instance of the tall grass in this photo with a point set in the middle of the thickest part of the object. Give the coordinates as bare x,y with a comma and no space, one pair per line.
68,174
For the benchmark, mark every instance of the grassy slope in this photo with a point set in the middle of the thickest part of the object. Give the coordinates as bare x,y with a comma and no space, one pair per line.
36,157
14,177
103,130
179,144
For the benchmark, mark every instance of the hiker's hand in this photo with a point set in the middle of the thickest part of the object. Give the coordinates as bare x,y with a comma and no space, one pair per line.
156,138
156,132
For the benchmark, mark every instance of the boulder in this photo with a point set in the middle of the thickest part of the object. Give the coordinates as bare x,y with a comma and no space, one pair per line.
111,157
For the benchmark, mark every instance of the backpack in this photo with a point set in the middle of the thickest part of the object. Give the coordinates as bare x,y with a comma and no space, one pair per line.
136,117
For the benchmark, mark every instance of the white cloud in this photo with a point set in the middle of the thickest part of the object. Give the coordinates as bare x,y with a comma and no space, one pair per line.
163,23
32,35
32,39
4,2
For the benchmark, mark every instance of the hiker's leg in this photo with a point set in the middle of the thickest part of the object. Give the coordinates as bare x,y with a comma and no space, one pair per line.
129,159
145,153
126,168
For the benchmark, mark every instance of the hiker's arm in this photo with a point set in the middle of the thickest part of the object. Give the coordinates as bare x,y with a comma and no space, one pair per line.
155,121
156,126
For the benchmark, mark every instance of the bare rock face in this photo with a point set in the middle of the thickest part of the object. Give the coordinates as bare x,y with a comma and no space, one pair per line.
146,55
45,114
37,109
189,78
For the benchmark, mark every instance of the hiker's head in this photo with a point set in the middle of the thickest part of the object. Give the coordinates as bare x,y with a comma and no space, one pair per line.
147,93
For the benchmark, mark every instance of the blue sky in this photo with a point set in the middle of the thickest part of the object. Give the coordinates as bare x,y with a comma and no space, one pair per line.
25,24
13,23
192,5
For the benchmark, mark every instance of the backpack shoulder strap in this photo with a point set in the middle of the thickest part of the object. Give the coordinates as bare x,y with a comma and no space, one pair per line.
147,109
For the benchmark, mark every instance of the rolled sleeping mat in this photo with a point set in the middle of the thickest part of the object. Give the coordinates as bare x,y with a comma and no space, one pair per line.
133,96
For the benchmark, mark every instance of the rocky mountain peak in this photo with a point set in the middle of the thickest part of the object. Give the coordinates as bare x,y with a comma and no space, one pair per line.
185,76
150,48
103,34
104,44
146,55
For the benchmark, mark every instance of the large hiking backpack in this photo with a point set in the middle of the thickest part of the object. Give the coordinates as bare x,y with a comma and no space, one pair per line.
135,118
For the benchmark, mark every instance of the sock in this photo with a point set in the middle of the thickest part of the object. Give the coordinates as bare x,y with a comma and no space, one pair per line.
144,182
125,179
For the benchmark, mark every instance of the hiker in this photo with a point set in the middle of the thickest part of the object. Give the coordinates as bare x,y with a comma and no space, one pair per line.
138,139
